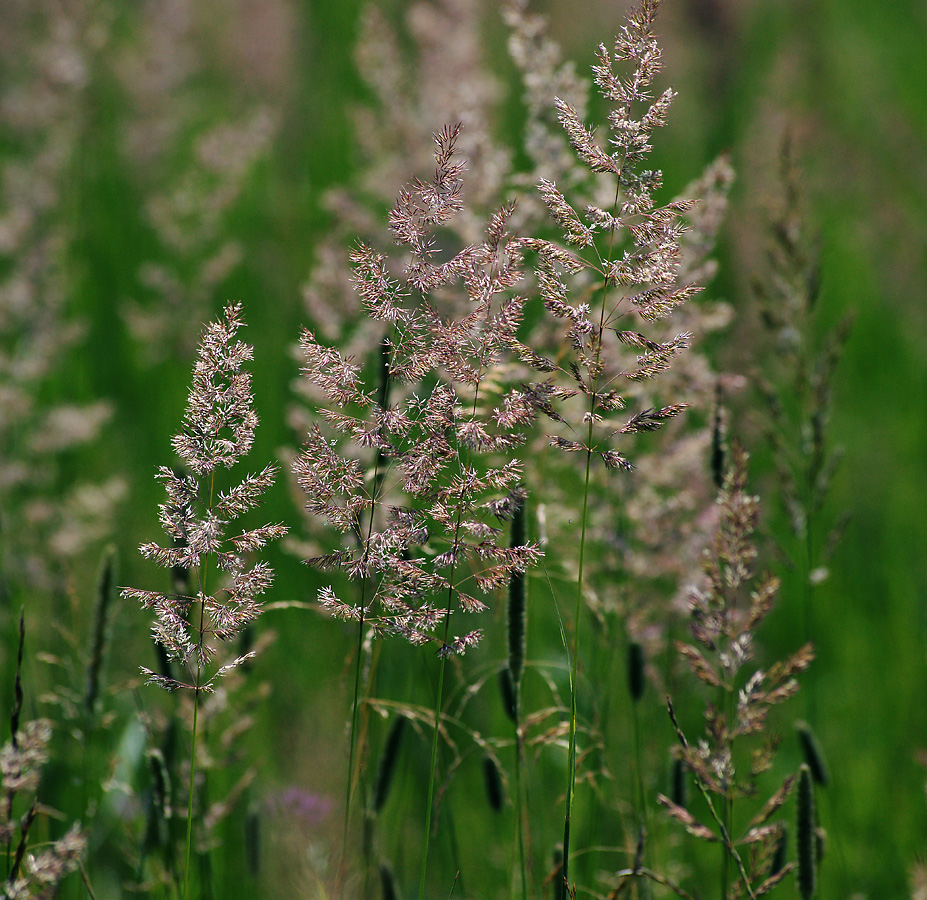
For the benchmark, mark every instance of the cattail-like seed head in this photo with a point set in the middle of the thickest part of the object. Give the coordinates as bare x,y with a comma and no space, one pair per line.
507,691
18,681
807,840
636,664
639,850
517,604
492,779
159,806
387,767
813,754
106,588
388,882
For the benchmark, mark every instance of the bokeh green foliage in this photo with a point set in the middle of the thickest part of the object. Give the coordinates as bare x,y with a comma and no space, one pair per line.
845,78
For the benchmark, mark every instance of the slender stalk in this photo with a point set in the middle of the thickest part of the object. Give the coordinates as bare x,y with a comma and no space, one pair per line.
434,751
574,667
574,675
196,707
443,664
196,710
355,743
519,811
727,841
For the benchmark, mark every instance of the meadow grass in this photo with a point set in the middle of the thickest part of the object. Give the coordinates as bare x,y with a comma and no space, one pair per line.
145,183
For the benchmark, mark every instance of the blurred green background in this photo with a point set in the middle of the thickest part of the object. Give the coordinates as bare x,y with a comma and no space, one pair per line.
846,79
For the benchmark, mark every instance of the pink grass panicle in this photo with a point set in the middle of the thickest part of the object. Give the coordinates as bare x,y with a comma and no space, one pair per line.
422,534
217,432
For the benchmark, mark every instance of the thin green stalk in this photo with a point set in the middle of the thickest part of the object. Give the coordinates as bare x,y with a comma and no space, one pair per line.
517,619
574,675
196,707
443,664
383,399
352,753
519,812
434,751
574,667
727,841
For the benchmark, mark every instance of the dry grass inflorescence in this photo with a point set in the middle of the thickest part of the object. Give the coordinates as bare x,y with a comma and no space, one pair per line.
512,458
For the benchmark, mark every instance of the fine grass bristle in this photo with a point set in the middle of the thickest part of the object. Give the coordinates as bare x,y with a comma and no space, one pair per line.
806,835
387,768
813,754
105,593
492,780
636,664
517,603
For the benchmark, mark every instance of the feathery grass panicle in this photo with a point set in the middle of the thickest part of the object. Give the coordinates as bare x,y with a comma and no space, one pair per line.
664,501
423,521
626,261
433,508
725,614
218,430
417,78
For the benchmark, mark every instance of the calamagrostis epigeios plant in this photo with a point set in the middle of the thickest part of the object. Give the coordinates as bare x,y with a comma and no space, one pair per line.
433,490
624,268
422,522
725,614
657,523
217,432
